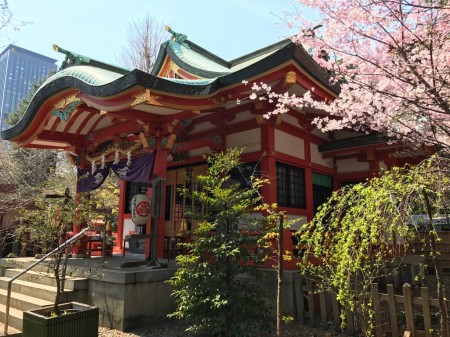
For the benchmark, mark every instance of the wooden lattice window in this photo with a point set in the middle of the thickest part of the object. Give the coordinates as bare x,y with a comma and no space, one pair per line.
290,186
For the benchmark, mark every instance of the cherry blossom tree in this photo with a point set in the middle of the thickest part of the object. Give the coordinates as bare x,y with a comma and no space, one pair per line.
392,61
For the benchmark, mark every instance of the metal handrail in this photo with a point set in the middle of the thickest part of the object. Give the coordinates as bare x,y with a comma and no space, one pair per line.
8,296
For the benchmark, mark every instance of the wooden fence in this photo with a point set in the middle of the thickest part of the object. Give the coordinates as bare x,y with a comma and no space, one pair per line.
394,311
442,246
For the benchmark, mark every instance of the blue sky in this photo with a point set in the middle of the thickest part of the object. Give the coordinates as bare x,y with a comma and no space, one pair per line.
97,28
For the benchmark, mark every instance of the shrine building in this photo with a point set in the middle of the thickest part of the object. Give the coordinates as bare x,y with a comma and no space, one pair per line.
194,103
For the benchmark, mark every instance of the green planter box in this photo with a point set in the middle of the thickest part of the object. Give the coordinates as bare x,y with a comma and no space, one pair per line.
81,321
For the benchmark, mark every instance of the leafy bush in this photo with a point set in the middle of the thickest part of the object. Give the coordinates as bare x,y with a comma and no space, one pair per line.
209,288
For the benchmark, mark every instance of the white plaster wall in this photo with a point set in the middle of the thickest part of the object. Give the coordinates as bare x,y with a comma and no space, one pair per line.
80,119
199,152
61,126
89,124
250,139
242,117
104,122
316,157
351,165
203,127
291,120
289,144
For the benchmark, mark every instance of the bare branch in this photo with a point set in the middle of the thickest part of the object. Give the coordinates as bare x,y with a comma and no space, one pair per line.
145,37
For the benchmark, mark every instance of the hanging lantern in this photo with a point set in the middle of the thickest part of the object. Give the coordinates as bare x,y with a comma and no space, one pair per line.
141,211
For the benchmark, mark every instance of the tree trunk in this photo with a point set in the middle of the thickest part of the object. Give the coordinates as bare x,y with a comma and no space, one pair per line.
437,268
56,268
280,278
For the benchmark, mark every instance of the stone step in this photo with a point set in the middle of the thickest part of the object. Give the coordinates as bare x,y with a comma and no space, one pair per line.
11,331
23,302
33,290
42,277
42,291
15,317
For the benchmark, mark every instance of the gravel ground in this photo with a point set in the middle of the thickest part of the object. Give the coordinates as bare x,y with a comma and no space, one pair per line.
175,328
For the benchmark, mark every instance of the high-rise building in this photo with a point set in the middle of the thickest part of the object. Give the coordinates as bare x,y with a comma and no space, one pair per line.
20,69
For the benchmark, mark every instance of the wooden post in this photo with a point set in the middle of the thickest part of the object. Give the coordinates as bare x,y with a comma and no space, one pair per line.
392,310
376,309
323,308
350,321
312,315
363,326
336,311
409,310
300,305
426,311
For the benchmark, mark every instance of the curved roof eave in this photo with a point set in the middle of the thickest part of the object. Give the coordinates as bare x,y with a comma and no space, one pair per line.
205,73
160,59
289,52
166,49
273,47
188,88
304,59
133,78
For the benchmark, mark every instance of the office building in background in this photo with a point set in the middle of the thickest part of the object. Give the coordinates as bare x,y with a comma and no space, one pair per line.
20,69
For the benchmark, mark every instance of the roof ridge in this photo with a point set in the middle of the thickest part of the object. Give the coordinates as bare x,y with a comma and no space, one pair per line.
256,53
73,59
208,54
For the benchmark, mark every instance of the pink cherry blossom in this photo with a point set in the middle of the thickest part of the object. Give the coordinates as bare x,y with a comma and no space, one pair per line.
392,60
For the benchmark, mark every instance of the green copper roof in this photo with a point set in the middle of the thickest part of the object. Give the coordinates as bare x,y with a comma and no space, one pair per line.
192,82
197,60
102,80
74,59
90,75
247,62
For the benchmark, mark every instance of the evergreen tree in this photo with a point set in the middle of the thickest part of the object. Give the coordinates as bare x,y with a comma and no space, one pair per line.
214,287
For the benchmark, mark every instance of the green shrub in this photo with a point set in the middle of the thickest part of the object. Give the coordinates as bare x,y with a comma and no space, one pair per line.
208,291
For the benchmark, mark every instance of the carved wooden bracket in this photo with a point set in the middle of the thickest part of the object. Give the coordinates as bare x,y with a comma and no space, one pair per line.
218,100
145,97
260,120
65,106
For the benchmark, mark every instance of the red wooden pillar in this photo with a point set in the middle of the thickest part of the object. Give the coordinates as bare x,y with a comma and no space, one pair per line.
268,162
120,217
160,170
77,249
309,179
309,193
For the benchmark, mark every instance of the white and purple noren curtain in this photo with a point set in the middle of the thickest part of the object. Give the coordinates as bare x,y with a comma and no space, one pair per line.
138,171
